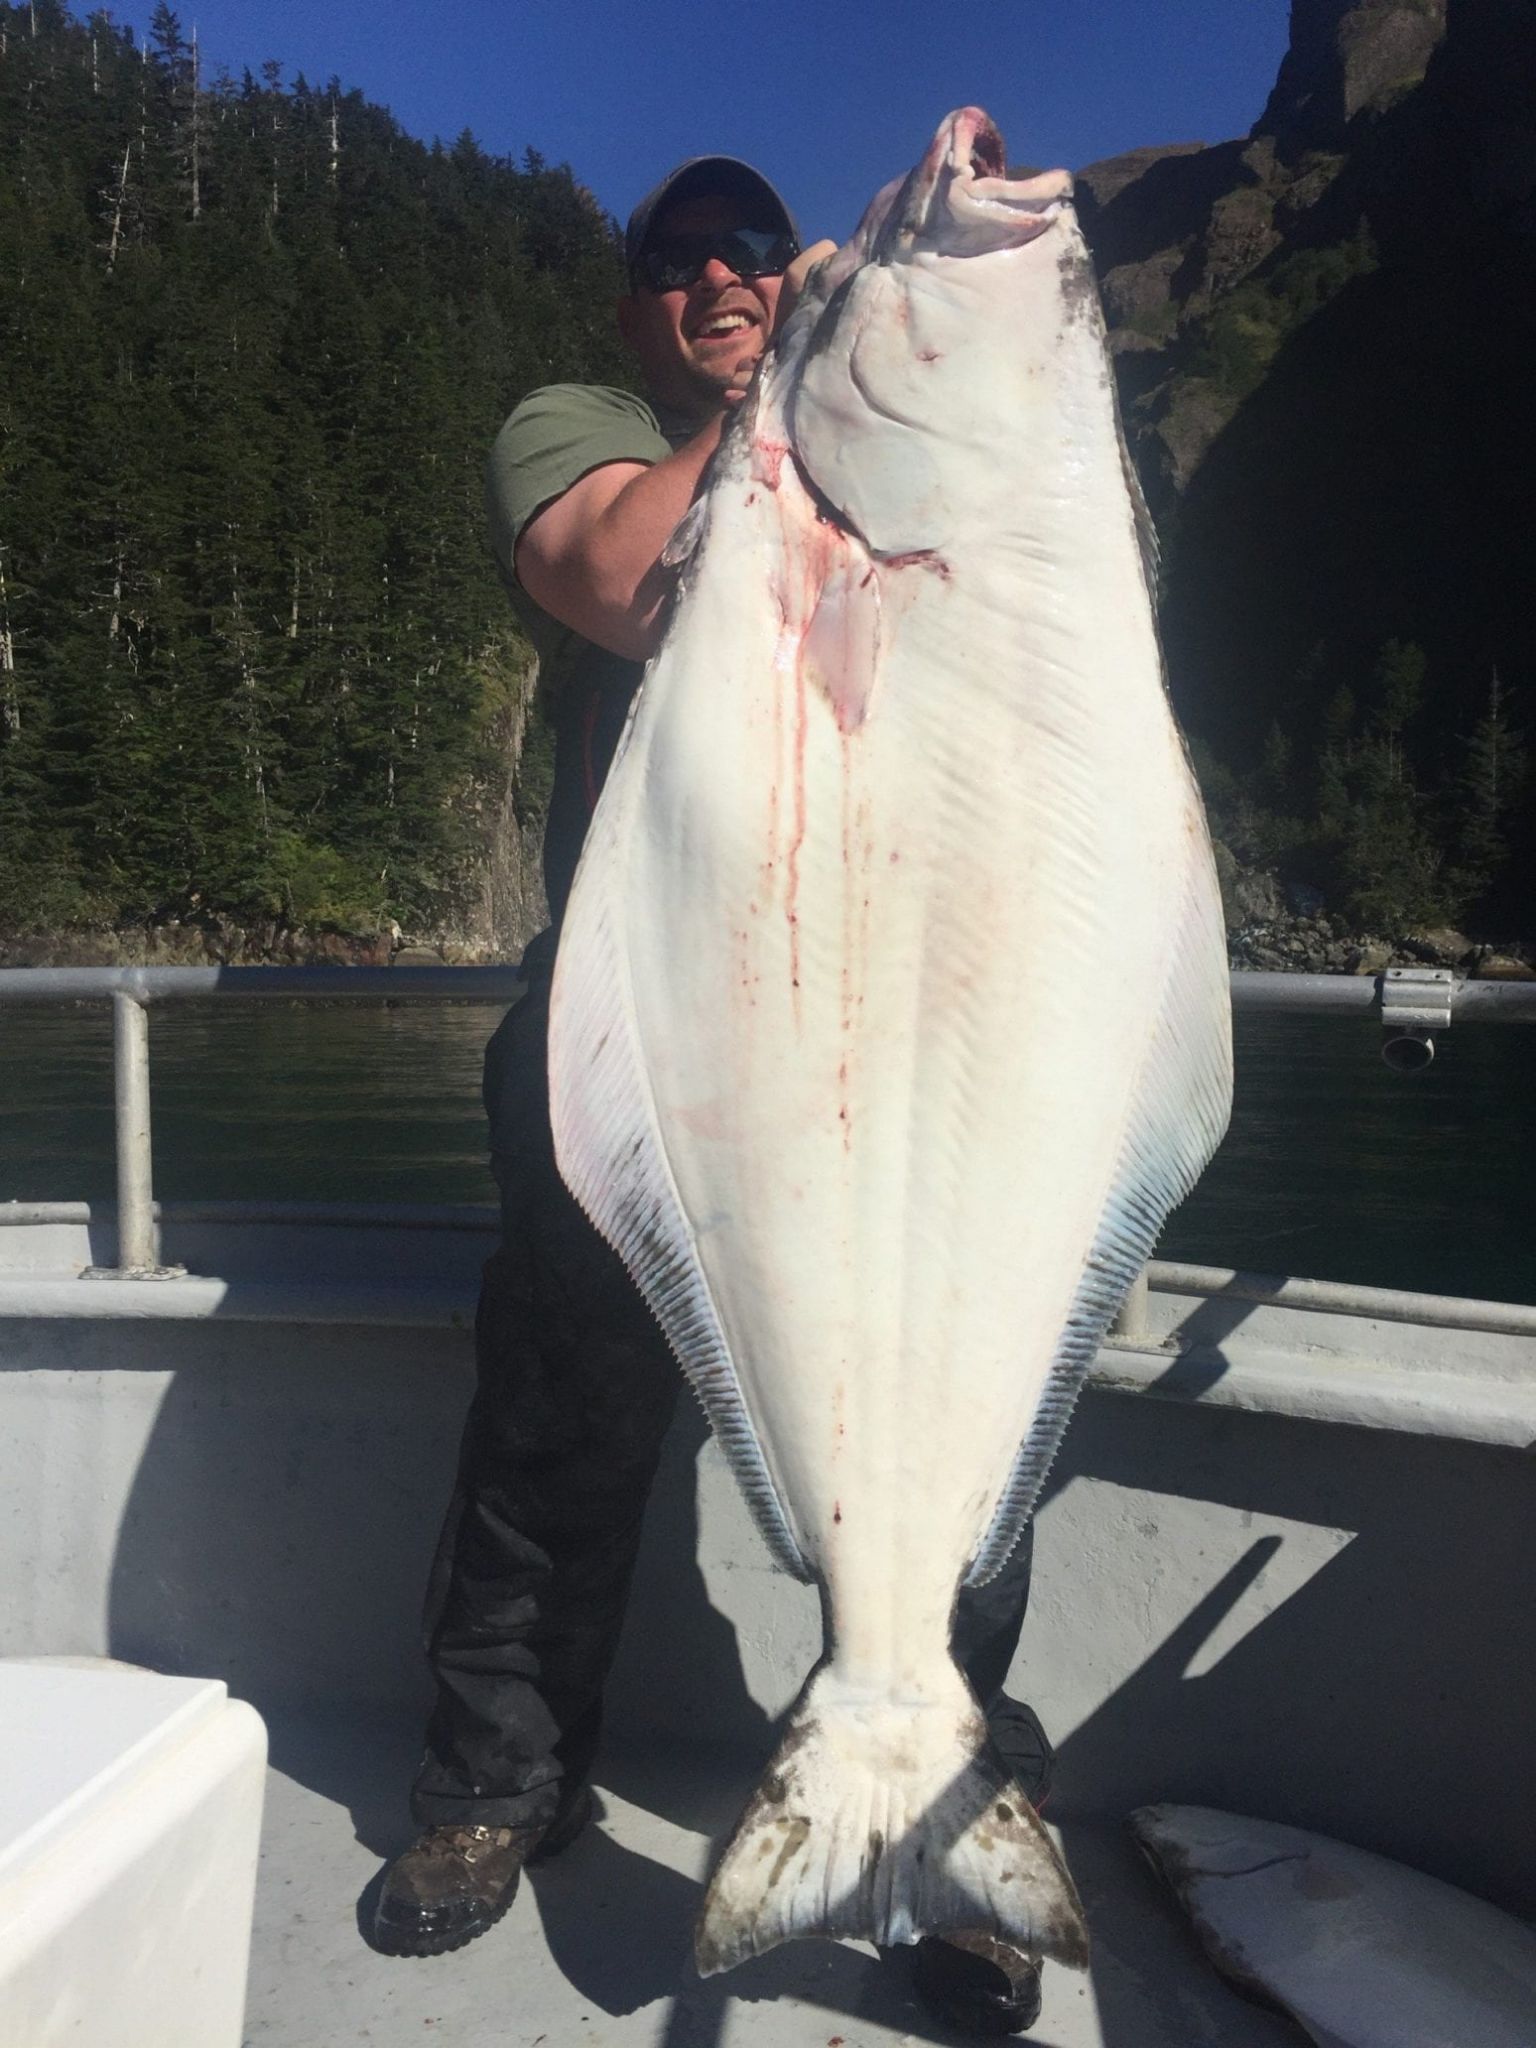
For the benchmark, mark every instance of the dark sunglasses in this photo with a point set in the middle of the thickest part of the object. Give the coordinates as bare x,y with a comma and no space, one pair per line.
674,262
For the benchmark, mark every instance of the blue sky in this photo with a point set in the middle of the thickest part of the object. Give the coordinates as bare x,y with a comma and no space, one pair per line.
830,100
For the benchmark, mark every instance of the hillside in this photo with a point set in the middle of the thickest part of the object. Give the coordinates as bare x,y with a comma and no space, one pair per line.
256,669
257,677
1324,333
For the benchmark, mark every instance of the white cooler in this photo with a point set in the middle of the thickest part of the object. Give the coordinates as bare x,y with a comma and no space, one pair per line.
130,1818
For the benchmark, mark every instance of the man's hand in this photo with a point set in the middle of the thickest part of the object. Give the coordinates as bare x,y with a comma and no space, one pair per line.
590,558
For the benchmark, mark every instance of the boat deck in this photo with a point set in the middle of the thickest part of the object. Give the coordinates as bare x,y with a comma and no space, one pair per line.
1281,1568
596,1951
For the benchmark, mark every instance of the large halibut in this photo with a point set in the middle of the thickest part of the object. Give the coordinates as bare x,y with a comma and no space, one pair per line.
891,1013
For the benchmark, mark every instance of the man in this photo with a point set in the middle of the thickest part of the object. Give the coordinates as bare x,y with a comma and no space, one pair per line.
575,1387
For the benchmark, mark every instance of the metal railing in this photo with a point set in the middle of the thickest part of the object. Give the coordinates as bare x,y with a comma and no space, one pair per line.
1329,1297
1410,1003
131,990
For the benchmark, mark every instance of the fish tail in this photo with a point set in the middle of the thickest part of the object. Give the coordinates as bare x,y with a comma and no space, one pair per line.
885,1820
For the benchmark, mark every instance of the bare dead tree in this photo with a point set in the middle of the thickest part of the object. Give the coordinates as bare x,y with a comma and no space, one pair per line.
10,700
272,78
118,199
197,130
115,620
245,640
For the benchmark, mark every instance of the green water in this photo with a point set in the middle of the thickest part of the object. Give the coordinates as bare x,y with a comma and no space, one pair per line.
1335,1168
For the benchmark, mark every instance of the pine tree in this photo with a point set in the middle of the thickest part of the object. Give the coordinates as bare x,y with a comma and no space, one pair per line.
1387,857
251,641
1486,793
1395,694
1389,865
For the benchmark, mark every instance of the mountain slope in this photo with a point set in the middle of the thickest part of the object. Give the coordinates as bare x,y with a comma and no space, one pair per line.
1324,334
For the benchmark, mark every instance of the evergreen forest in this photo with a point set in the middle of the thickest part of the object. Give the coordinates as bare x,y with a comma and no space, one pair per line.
255,661
254,344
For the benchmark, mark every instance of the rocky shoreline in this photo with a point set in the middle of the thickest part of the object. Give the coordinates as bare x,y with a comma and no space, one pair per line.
1269,926
1290,930
217,942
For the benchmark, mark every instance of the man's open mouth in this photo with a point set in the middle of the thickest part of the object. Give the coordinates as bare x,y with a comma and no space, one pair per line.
720,324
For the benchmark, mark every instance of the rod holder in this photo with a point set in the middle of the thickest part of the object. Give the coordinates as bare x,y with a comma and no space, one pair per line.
1416,1002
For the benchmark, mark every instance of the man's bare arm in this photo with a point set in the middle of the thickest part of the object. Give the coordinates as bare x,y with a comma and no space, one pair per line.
591,558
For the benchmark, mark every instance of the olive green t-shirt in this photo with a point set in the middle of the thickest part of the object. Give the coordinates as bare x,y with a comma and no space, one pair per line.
558,435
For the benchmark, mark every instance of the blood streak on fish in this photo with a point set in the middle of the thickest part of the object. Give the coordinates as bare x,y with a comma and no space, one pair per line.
797,840
768,879
918,558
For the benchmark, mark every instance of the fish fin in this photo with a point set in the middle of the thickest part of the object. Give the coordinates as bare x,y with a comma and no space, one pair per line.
840,648
1182,1102
1089,306
1141,519
884,1820
685,536
610,1151
871,465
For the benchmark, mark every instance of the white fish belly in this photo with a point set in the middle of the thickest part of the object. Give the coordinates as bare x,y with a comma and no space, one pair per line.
892,989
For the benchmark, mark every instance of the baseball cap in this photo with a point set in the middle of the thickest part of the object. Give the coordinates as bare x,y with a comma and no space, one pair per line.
700,175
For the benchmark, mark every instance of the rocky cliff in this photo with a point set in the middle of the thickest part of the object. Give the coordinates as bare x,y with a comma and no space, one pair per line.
1324,337
1349,57
1178,229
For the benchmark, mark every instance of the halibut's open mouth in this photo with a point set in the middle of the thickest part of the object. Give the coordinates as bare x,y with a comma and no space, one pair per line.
960,199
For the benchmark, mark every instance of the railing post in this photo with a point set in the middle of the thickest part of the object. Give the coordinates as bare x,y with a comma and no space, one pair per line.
1131,1322
130,1085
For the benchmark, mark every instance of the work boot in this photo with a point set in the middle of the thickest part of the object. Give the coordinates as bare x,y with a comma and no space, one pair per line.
1024,1747
975,1983
454,1882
